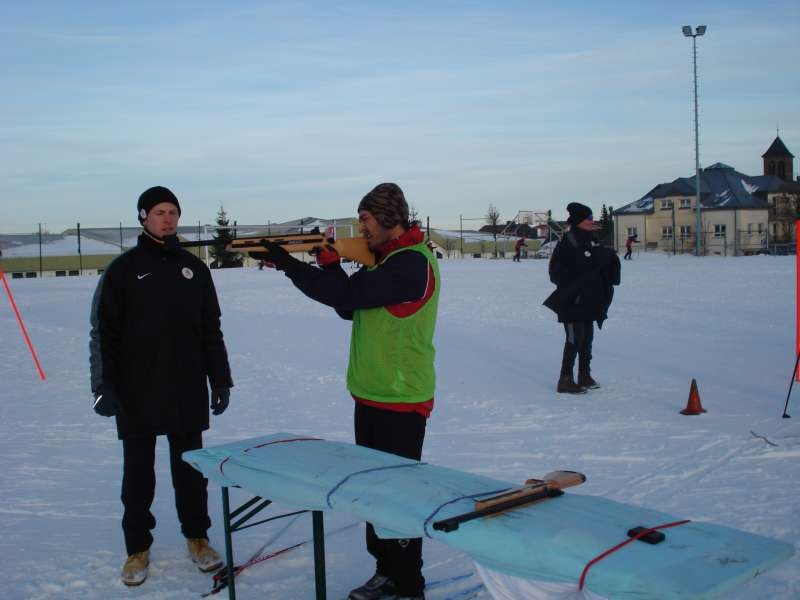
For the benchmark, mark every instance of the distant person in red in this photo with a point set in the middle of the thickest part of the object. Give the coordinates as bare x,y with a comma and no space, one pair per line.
518,248
629,247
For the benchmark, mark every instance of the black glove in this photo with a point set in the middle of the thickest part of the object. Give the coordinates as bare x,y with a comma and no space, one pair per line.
275,254
106,402
220,397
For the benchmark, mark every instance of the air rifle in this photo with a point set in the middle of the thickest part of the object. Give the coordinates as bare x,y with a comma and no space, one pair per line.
355,249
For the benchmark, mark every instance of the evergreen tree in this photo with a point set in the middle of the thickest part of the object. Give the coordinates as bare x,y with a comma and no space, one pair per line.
606,225
223,258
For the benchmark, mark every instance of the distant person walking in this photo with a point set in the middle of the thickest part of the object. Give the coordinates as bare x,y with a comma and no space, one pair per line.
584,273
155,346
629,247
518,248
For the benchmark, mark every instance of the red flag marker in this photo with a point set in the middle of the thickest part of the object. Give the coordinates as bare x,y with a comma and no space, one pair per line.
22,325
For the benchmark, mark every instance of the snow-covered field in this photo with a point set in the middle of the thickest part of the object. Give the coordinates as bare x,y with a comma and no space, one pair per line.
728,322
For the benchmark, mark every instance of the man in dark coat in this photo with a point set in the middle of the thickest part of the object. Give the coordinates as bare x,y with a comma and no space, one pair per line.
155,346
584,273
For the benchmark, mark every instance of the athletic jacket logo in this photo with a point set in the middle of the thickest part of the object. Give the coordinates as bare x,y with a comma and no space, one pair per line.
142,276
187,272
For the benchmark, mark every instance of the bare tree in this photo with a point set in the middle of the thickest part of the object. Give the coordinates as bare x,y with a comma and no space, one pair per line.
413,213
493,218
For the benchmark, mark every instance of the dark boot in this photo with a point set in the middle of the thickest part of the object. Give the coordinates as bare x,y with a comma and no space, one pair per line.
566,385
585,381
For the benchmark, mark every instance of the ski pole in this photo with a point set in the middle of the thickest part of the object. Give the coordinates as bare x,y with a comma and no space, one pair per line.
791,383
22,325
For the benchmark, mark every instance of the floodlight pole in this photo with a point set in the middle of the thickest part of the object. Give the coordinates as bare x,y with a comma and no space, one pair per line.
687,32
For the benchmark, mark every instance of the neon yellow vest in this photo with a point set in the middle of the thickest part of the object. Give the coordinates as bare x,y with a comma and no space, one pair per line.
391,358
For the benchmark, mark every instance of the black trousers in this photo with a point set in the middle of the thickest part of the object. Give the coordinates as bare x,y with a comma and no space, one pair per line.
578,342
401,434
139,486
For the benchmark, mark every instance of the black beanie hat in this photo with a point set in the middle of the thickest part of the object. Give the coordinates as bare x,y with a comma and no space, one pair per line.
577,212
387,204
151,197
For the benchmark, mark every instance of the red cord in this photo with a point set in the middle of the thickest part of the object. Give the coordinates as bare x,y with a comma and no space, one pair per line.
642,533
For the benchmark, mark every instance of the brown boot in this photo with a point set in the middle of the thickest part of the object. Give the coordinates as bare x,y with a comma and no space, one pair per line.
566,385
204,556
134,571
585,381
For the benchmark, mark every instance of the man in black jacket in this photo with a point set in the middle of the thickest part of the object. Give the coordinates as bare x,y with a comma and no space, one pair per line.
584,273
155,346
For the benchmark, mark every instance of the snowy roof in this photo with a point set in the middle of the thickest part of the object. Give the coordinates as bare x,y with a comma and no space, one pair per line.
721,186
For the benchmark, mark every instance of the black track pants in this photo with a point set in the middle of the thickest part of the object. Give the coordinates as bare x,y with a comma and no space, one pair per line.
401,434
139,484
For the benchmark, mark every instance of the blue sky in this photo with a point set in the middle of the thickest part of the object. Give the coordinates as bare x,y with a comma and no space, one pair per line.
279,110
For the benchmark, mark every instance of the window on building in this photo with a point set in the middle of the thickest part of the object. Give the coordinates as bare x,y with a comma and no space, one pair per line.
760,228
632,232
719,230
686,203
686,231
61,273
771,168
666,232
781,170
666,204
30,275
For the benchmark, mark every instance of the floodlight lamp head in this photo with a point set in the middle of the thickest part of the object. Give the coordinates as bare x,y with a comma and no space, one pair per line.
687,30
701,29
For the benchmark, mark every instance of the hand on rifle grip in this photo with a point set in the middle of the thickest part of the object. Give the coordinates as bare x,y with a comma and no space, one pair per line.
326,255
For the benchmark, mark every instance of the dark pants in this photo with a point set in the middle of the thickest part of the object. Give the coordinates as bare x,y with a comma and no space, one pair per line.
578,342
401,434
139,486
628,253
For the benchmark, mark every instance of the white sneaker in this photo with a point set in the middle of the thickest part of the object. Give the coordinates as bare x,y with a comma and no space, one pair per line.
134,571
204,556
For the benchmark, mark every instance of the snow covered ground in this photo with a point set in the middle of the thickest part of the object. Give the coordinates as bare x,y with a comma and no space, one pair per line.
728,322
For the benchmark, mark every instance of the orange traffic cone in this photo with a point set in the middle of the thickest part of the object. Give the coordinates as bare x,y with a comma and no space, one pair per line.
693,407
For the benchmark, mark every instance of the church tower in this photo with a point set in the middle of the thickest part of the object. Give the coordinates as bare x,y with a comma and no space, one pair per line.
778,160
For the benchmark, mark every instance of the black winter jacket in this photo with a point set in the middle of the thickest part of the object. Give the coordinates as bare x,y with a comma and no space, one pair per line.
156,339
584,273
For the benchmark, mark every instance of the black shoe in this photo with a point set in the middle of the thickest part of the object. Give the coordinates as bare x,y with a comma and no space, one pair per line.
378,587
585,381
566,385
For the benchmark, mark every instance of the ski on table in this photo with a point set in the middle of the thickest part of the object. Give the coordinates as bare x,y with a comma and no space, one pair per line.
534,490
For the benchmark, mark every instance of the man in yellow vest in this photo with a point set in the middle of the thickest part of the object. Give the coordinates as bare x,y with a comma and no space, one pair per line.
390,375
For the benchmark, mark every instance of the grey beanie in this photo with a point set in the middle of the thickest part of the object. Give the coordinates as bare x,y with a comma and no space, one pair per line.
387,204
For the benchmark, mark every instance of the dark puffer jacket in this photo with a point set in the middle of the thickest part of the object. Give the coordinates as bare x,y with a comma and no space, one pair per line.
156,339
584,273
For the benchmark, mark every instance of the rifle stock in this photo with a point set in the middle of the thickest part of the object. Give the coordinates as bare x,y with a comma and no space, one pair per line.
355,249
555,480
